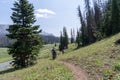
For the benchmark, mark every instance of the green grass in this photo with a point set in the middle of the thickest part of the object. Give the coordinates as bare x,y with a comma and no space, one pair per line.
98,60
45,52
45,69
4,56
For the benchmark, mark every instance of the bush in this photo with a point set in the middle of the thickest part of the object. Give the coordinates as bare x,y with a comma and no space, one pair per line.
117,67
107,74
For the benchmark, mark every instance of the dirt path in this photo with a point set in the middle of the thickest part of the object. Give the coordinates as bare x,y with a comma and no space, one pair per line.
78,73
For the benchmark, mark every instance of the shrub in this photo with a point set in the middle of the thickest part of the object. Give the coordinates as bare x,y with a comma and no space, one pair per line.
117,67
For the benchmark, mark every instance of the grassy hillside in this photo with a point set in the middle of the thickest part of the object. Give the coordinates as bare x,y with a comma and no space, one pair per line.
45,69
101,60
4,55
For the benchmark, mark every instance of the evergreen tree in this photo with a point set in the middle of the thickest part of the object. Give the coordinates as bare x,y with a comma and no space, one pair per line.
61,45
84,33
72,35
115,17
98,18
91,28
78,39
65,38
27,40
112,18
107,28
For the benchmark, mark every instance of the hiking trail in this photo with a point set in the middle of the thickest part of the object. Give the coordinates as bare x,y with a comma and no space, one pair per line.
78,73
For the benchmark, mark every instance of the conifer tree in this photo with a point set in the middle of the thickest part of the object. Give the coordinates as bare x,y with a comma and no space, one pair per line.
98,18
83,30
107,28
112,18
27,40
115,17
65,38
78,39
61,45
90,22
72,35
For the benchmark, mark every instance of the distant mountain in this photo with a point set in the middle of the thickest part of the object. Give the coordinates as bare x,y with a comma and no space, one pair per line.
48,38
4,40
46,34
3,29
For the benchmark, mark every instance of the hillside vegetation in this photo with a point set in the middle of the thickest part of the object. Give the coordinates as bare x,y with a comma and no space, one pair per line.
45,69
100,60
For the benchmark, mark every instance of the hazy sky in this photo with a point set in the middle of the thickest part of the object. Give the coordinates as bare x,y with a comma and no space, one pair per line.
51,15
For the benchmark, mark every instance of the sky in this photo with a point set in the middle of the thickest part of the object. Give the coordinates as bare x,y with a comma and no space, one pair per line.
51,15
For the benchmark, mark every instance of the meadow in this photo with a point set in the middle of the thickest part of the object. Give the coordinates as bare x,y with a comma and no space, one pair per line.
101,61
45,69
4,56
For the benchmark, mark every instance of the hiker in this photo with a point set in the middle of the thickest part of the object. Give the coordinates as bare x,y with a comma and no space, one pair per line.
62,51
53,53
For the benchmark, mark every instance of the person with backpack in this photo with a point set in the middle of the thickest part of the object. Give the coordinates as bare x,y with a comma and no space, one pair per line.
54,53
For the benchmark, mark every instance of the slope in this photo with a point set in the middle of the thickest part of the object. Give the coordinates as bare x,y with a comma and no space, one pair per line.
100,60
45,69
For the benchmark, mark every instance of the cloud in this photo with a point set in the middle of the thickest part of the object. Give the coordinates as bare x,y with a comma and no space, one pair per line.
44,13
41,15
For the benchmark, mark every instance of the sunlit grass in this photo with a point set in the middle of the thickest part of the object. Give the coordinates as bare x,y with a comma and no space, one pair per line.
4,56
97,58
45,70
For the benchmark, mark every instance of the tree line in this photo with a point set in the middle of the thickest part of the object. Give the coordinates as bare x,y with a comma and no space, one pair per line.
97,22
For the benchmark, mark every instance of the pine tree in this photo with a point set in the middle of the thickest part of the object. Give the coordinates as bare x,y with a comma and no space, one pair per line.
72,35
61,45
91,28
27,40
98,18
107,28
83,30
65,38
115,17
112,18
78,39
